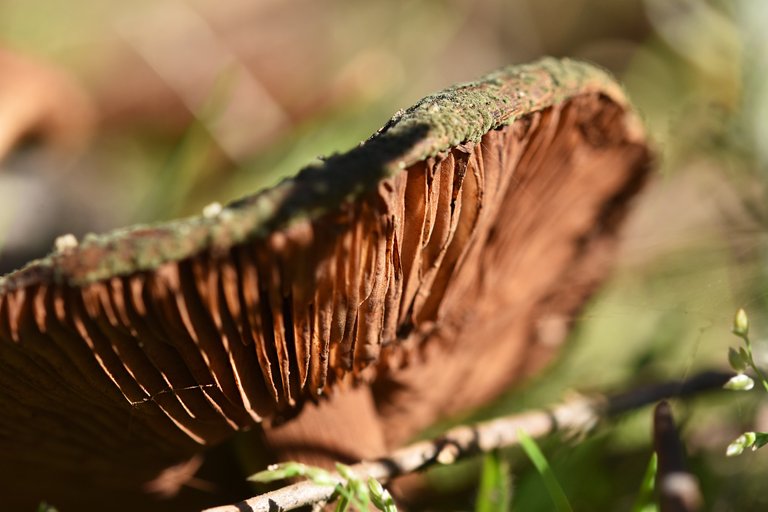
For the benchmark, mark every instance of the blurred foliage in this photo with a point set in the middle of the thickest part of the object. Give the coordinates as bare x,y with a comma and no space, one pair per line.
646,501
494,493
199,103
548,477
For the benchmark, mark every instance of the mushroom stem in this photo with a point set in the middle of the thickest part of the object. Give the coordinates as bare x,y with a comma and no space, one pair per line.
577,415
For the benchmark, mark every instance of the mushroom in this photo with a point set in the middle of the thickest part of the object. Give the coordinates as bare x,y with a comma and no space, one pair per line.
424,271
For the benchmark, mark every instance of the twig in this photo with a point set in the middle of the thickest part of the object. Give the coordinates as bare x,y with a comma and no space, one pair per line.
678,489
577,415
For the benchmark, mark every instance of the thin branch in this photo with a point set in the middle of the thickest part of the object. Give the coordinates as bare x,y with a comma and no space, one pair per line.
578,415
678,489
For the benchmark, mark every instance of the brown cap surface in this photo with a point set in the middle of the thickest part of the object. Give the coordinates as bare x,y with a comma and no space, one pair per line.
467,217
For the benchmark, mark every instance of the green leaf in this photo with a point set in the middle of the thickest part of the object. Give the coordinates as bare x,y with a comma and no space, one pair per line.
360,492
321,477
280,471
761,439
495,492
345,471
745,355
533,452
287,470
344,499
353,492
738,359
645,499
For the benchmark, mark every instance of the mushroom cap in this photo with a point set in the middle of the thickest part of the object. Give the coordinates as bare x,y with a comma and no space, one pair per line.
131,351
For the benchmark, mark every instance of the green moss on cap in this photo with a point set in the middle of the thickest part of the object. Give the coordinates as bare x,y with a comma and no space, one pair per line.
459,114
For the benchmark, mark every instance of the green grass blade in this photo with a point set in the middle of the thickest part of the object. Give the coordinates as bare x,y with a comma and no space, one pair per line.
645,500
533,452
344,500
495,493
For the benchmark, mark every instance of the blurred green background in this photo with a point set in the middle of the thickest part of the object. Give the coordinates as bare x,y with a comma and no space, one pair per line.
194,101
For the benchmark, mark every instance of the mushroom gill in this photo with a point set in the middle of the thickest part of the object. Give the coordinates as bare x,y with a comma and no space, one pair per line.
437,244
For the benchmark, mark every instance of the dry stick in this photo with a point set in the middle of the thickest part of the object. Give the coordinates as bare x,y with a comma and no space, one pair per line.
577,415
677,488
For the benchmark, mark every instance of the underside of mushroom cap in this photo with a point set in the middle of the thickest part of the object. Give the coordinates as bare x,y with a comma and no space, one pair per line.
132,350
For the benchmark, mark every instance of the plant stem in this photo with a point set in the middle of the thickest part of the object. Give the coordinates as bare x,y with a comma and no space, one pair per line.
752,364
